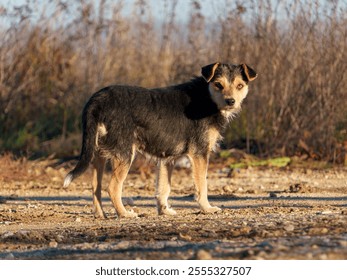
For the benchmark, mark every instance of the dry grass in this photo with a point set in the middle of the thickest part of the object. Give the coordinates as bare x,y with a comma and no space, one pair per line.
52,58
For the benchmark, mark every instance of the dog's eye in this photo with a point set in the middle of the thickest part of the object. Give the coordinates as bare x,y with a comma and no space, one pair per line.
218,85
239,86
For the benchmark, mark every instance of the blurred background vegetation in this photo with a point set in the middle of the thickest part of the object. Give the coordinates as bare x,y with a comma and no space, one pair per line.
55,54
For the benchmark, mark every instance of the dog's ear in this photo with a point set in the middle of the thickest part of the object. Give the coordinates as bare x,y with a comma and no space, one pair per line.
208,71
248,73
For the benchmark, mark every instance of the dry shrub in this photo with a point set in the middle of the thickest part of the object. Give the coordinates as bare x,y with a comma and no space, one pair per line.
52,58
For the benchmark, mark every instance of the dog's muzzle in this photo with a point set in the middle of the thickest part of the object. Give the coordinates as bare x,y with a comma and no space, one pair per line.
230,101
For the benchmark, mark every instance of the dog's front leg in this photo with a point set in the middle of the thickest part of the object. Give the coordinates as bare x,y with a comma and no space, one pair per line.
199,166
163,186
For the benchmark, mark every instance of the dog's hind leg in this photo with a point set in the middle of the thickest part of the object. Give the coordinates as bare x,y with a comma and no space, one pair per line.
99,166
199,166
163,186
119,173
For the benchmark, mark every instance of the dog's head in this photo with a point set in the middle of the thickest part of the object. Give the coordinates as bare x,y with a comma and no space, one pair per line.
228,84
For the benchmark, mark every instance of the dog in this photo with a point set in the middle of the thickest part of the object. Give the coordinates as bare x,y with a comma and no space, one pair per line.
166,123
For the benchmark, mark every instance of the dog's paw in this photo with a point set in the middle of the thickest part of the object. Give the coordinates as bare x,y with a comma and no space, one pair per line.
100,215
211,209
167,211
128,214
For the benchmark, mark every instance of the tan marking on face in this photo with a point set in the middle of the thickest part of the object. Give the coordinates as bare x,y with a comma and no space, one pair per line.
239,93
237,90
218,95
223,81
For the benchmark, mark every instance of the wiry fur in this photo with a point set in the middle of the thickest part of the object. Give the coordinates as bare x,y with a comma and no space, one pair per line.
167,123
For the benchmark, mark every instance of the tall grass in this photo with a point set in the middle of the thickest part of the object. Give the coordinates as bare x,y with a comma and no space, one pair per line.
53,57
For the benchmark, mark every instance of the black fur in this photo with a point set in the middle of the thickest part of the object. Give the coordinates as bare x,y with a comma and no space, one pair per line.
156,121
166,123
163,122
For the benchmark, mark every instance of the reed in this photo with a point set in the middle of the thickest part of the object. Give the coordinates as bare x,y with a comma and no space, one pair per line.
53,58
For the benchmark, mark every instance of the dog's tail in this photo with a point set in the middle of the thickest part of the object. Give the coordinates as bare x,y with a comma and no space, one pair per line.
88,146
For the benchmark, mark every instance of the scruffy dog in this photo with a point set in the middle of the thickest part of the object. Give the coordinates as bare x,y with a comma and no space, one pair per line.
166,123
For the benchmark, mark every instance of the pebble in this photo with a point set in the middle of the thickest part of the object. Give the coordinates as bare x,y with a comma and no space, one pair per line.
252,191
38,172
309,171
49,170
240,231
123,245
272,195
203,255
32,206
317,231
53,244
185,237
85,246
128,201
56,179
59,238
265,244
288,227
327,212
228,189
23,233
62,171
103,246
7,234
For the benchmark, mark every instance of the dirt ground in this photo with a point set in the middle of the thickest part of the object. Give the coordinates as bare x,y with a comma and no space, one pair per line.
268,213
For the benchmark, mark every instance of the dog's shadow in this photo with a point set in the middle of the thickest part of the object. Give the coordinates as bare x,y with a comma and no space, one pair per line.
188,201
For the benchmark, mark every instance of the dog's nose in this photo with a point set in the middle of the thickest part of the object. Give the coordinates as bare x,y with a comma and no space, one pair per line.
230,101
